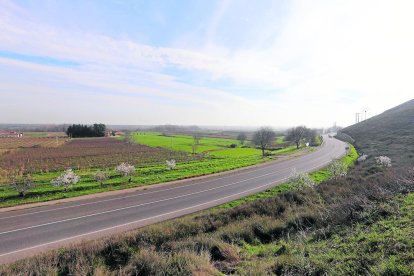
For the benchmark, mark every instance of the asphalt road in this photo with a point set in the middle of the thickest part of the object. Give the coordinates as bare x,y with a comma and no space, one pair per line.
29,231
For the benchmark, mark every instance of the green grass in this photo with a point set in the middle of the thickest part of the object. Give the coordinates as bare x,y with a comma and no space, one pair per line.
317,176
380,248
44,191
219,147
216,157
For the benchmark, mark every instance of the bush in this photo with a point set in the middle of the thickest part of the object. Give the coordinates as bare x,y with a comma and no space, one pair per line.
383,161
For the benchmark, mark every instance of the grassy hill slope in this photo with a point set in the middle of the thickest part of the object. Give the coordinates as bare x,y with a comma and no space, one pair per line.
390,133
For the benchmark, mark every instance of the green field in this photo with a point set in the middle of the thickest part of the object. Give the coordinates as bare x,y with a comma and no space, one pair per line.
218,147
213,155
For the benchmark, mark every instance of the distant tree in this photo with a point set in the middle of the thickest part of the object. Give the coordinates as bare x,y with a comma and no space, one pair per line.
66,179
80,131
196,138
314,138
241,137
22,184
196,141
100,177
99,130
297,135
264,138
126,170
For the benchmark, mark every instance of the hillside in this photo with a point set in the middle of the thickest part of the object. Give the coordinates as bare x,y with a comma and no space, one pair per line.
390,133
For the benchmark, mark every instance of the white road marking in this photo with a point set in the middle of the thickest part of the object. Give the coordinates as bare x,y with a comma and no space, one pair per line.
136,195
140,220
134,206
141,194
157,216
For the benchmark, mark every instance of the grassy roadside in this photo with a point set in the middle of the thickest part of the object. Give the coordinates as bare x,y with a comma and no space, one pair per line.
317,176
349,226
44,191
220,158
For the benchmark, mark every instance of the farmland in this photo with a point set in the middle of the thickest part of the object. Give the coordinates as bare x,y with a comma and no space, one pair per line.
7,144
85,154
360,223
147,152
212,146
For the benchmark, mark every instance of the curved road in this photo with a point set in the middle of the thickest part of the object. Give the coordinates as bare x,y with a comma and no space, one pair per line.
26,232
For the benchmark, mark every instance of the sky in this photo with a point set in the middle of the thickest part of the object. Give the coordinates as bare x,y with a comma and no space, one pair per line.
204,62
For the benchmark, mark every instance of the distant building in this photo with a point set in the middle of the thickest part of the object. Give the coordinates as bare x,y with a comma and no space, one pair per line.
11,134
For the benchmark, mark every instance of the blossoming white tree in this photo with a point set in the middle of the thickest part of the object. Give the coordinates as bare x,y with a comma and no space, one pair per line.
66,179
300,180
125,169
362,158
170,164
337,169
383,161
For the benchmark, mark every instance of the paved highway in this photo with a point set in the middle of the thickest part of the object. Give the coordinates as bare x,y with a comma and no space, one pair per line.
29,231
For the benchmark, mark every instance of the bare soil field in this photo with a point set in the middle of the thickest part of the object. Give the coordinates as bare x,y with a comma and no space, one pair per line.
42,155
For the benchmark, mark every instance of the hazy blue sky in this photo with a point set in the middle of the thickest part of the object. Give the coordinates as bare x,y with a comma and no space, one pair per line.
277,63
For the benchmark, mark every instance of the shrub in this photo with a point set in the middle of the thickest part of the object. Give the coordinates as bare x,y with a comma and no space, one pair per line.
146,262
337,169
170,164
299,180
383,161
362,158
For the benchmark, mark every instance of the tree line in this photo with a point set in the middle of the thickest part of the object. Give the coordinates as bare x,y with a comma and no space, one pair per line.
265,136
80,131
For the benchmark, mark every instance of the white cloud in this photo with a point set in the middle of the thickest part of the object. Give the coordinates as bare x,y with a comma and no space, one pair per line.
331,59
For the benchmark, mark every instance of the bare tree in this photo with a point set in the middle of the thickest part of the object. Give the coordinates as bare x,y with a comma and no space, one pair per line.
22,184
196,138
66,179
297,135
264,138
196,142
241,137
100,177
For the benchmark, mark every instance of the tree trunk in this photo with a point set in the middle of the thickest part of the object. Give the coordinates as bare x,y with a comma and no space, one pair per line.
263,151
297,145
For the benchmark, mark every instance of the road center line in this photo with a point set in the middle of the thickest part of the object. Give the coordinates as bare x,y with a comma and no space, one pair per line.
141,194
134,206
141,220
